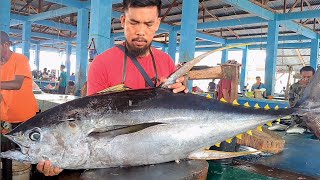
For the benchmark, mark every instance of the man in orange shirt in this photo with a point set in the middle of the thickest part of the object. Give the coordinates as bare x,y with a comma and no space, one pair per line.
18,103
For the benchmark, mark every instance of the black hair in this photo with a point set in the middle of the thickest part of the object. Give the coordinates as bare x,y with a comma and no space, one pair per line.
71,83
142,3
63,66
307,68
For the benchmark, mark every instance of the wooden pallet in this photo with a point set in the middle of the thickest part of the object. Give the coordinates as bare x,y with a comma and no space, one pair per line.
266,141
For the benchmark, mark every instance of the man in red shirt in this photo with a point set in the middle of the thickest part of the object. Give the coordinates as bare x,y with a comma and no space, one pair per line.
140,22
113,67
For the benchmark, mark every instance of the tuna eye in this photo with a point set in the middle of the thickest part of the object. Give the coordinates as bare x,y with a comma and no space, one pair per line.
34,136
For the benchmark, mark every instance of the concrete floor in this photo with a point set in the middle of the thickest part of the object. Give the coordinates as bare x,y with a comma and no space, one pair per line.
299,160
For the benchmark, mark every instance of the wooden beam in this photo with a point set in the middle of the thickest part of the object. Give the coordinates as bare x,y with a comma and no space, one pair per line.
28,3
168,10
40,6
288,82
232,71
48,7
208,73
301,9
214,16
300,57
311,8
294,5
306,21
225,71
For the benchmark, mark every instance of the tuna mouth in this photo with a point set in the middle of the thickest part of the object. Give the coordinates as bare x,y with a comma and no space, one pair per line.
23,149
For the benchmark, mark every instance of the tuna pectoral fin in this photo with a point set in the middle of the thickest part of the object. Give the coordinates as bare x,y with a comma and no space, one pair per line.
205,154
119,130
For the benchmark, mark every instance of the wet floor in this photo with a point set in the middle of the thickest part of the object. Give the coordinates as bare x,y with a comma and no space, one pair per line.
299,160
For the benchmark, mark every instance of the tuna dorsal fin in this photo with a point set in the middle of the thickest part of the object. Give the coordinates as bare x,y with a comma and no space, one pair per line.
311,98
117,88
205,154
119,130
188,66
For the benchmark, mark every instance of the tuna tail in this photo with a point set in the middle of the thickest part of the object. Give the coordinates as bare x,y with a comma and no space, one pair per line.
188,66
309,105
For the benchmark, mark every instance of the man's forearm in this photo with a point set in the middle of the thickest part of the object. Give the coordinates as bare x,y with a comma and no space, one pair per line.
10,85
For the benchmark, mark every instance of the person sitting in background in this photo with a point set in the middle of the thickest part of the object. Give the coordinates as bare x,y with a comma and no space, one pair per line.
196,89
45,71
73,77
212,86
259,85
45,74
296,89
71,89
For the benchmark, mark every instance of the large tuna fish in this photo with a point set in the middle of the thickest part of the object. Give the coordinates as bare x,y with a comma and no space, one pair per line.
139,127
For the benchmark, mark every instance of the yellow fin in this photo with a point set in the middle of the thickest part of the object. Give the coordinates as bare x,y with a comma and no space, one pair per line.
269,123
267,107
278,120
257,106
218,144
259,128
229,140
277,107
235,102
209,96
246,104
239,136
117,88
249,132
213,154
223,100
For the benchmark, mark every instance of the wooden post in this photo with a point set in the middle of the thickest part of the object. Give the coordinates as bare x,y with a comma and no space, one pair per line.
231,71
225,71
288,83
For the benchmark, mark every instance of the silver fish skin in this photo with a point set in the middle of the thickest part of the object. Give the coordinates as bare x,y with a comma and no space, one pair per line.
131,128
296,129
278,127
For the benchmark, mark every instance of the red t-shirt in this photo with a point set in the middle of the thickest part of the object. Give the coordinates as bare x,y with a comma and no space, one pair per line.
107,68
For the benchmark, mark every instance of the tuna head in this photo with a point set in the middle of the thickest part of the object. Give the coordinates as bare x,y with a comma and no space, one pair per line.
62,144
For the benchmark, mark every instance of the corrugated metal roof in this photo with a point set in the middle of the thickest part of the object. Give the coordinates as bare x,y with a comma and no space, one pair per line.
214,10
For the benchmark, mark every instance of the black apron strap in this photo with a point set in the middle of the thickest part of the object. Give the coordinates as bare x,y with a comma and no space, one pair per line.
138,66
124,71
